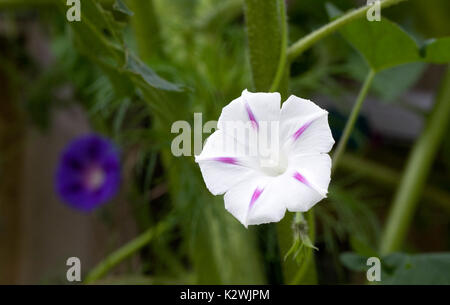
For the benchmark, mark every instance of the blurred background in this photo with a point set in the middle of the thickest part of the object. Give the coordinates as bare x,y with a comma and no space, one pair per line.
56,83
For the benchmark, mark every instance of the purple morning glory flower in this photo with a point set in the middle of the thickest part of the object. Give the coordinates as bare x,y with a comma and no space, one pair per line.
88,173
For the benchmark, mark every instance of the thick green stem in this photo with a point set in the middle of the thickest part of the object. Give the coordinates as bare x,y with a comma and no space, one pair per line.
146,28
352,119
306,42
283,56
416,172
264,32
123,253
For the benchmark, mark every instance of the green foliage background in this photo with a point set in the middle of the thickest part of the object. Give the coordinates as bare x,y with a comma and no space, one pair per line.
138,66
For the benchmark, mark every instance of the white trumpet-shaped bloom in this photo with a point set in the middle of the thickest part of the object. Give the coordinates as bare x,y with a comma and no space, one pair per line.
266,159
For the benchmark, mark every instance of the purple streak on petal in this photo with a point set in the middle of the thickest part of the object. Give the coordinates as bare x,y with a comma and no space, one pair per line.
251,116
300,178
228,160
255,196
299,132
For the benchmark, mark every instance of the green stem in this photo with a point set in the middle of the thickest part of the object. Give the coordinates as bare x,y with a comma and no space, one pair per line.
352,119
264,33
416,172
306,42
124,252
283,56
146,28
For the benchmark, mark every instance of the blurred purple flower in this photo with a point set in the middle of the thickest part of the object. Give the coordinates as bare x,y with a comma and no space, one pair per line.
88,172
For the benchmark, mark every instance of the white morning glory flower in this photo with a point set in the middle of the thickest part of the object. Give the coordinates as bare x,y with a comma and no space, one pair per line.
266,160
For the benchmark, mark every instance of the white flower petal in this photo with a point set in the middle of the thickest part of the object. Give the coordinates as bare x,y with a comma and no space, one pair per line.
223,163
301,196
315,168
251,108
238,199
265,106
306,181
255,201
269,206
304,127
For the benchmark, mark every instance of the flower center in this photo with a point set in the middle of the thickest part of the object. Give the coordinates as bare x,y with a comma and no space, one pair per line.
275,165
95,178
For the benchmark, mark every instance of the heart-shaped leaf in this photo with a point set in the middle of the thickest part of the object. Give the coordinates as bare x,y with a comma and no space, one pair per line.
382,43
437,51
406,269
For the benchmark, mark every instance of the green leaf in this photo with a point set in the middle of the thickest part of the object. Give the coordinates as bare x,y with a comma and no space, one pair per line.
405,269
121,7
102,20
391,83
100,38
382,43
437,51
353,261
332,10
137,67
419,269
